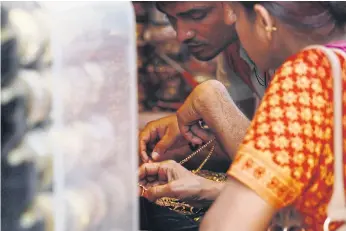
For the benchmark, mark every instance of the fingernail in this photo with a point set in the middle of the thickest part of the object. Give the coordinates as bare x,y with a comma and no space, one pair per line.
155,155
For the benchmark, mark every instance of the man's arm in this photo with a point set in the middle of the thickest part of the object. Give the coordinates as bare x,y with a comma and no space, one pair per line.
228,122
224,74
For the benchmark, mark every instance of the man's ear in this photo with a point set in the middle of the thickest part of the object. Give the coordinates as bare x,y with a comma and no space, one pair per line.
264,23
229,16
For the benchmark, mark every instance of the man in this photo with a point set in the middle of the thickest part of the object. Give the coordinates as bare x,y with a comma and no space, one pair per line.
203,28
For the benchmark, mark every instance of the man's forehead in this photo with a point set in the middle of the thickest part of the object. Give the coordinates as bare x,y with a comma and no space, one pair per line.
175,8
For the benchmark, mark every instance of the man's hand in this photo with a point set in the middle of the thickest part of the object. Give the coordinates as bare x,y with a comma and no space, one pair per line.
170,179
159,135
164,139
201,104
211,102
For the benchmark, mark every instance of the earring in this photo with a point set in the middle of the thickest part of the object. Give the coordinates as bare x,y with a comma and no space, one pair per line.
271,29
232,16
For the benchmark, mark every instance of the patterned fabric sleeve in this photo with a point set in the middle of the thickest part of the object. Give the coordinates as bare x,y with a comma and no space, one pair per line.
282,147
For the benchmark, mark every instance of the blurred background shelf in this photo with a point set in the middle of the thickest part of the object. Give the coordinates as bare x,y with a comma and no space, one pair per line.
161,87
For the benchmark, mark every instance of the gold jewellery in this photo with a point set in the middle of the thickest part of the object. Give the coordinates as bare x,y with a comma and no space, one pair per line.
181,206
198,151
143,188
271,28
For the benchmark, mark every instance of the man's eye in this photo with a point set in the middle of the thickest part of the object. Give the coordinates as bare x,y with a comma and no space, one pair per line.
198,16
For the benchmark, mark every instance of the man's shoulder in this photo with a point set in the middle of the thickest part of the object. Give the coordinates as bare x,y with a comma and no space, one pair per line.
235,53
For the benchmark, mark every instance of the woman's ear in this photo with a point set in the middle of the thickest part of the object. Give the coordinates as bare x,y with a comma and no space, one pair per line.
229,16
264,23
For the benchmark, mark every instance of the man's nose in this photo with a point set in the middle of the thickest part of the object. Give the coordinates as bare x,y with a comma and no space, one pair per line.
184,33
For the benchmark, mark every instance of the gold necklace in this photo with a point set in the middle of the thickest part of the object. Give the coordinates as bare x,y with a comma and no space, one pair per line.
198,151
189,158
181,206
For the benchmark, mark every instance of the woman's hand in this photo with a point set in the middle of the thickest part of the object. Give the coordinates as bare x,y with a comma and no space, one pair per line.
204,103
170,179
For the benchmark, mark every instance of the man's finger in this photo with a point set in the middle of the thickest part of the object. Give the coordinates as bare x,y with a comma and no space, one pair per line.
201,133
148,137
187,117
162,146
186,114
144,157
175,154
144,137
188,134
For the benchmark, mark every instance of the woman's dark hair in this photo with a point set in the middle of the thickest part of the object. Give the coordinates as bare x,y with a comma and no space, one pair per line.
324,16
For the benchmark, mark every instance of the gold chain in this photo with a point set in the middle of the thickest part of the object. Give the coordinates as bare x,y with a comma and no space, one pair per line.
198,151
171,201
181,206
192,155
205,160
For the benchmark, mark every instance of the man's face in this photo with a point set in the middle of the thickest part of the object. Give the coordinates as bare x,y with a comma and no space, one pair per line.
201,26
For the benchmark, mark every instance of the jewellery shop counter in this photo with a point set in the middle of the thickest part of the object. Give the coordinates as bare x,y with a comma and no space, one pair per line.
69,116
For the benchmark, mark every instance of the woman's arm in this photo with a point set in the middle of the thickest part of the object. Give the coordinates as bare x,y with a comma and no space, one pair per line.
281,152
238,208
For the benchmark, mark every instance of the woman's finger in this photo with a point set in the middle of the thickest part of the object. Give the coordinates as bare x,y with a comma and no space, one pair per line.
148,170
158,171
154,184
159,191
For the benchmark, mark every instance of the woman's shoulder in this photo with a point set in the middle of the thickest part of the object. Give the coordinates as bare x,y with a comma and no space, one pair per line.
312,62
307,71
313,56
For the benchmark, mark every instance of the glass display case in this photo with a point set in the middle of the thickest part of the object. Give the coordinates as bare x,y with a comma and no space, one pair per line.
94,116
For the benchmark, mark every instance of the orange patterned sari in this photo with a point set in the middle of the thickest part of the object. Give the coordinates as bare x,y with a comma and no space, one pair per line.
286,156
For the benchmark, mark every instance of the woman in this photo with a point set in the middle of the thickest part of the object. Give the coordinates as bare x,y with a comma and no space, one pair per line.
286,157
